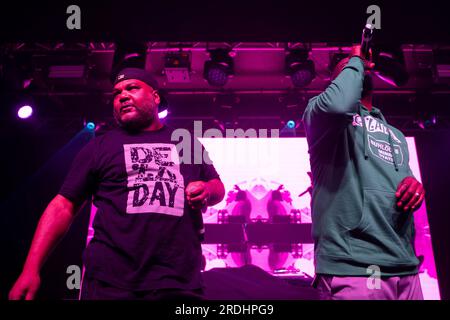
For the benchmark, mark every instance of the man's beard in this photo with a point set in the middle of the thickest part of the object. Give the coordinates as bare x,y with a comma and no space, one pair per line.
139,122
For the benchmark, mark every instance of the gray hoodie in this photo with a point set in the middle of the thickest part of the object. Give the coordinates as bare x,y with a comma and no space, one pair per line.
357,161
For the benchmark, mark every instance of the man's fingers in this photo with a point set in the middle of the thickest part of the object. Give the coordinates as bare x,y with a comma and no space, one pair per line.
200,197
407,194
30,295
410,194
13,296
418,202
193,196
418,194
194,189
197,194
406,197
17,294
400,190
412,197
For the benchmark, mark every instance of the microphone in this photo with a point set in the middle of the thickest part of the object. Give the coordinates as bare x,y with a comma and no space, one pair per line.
366,39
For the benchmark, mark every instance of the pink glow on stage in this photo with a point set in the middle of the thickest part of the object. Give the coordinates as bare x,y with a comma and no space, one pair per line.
427,273
262,164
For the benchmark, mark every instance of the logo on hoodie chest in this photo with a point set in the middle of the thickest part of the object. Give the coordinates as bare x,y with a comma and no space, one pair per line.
380,148
374,125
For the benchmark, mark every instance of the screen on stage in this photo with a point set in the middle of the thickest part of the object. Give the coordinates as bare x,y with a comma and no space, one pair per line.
268,178
252,169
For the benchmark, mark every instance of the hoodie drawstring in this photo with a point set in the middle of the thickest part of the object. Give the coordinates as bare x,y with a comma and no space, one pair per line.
394,158
391,144
366,152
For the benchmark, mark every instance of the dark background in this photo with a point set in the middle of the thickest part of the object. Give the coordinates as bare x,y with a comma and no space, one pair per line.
263,20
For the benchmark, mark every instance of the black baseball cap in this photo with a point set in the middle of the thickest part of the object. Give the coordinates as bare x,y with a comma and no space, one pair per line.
136,73
144,76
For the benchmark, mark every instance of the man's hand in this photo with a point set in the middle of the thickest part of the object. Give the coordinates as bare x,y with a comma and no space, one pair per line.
197,194
25,287
368,64
410,194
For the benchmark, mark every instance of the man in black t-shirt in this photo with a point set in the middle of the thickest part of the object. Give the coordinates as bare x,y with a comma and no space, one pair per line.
149,194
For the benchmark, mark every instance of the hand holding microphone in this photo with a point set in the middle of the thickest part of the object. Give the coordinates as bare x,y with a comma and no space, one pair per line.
366,40
363,51
197,194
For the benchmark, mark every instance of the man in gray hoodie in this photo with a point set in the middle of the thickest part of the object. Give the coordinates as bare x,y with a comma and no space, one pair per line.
364,192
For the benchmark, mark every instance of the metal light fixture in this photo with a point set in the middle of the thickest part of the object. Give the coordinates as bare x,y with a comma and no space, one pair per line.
217,70
390,66
177,67
299,67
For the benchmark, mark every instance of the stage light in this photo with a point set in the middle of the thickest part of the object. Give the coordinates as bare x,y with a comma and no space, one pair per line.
291,106
289,129
90,126
25,112
66,71
390,66
431,121
163,114
62,66
177,67
163,107
441,70
299,67
217,70
290,124
427,122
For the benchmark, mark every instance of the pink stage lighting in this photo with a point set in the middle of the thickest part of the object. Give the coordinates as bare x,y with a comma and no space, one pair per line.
258,165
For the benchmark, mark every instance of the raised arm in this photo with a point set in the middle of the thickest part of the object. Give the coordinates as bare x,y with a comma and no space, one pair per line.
344,92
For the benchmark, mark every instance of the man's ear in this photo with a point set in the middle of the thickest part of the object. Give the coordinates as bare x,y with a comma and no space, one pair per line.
157,97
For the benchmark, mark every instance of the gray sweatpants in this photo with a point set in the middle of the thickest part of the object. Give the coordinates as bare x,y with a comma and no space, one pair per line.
363,288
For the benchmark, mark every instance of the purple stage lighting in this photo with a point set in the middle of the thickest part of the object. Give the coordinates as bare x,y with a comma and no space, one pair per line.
217,70
25,112
163,114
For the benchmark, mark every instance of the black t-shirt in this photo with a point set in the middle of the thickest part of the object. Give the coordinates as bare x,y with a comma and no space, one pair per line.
146,236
